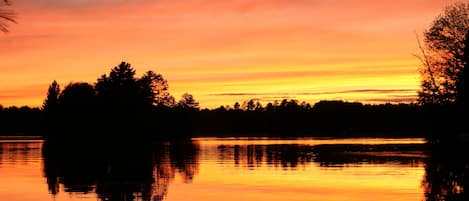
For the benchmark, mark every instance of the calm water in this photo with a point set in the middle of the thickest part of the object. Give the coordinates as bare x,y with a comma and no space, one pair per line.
232,169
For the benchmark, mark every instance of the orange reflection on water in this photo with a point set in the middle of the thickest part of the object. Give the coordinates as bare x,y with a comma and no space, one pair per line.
365,182
240,169
21,175
227,169
305,141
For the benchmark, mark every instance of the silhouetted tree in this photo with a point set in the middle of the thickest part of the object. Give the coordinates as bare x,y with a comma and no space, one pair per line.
52,99
289,105
77,105
249,105
154,89
166,100
305,105
120,88
443,57
77,96
269,107
6,16
188,101
221,109
236,106
258,107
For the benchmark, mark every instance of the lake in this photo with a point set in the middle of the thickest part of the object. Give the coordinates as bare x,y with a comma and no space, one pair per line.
229,169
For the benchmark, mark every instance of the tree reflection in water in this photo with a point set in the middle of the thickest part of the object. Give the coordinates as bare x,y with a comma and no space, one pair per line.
290,156
446,167
118,171
447,173
144,171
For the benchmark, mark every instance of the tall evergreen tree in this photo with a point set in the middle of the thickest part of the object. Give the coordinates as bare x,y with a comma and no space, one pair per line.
52,99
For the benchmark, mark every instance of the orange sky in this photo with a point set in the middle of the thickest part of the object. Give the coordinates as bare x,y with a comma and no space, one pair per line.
221,51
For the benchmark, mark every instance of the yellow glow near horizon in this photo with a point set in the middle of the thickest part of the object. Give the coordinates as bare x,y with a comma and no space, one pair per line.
305,50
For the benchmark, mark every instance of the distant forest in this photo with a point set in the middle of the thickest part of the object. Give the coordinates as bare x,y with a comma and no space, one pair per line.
122,106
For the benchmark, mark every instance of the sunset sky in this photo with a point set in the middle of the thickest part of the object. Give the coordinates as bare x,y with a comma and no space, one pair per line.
221,51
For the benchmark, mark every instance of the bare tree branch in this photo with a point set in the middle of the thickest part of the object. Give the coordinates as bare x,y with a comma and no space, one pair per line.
424,59
6,16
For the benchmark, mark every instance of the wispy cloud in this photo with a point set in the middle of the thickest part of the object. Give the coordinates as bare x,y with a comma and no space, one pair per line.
393,100
362,95
75,3
23,92
367,91
379,91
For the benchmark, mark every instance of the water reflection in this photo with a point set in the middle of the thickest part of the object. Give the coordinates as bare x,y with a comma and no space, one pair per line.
412,155
446,166
328,155
19,152
118,171
147,171
447,173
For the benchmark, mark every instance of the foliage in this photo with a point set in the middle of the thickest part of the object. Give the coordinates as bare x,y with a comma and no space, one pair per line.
122,89
165,99
188,102
443,57
119,88
154,90
236,106
249,105
77,96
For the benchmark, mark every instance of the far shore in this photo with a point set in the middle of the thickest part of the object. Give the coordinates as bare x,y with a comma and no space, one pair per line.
19,137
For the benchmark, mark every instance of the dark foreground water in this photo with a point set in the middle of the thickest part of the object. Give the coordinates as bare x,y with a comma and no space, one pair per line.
233,169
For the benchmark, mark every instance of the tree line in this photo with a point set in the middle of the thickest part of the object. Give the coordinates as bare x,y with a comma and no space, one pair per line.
283,119
325,118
